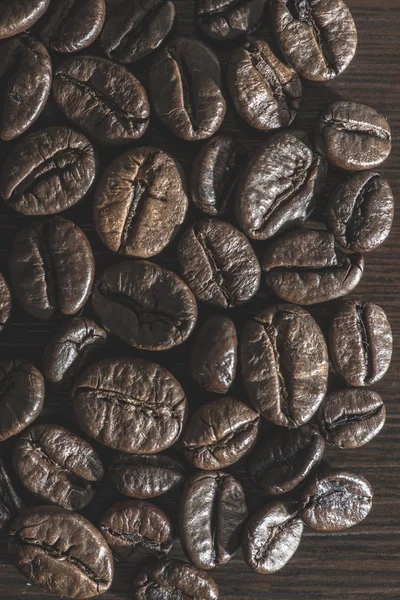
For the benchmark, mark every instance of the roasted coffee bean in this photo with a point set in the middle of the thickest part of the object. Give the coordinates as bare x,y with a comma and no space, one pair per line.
48,171
284,364
145,305
145,476
5,302
351,418
57,466
102,98
266,92
15,17
61,552
285,459
10,502
319,39
229,19
71,25
307,266
220,433
213,512
360,211
131,405
353,136
336,501
136,530
52,268
140,202
71,348
135,29
361,342
271,538
279,187
218,263
21,396
214,355
185,85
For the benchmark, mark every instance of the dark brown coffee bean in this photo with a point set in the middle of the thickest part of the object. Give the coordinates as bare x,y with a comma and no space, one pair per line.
145,305
135,29
5,302
102,98
21,396
185,85
52,268
61,552
213,512
57,466
10,502
140,202
229,19
220,433
307,266
17,16
361,342
284,364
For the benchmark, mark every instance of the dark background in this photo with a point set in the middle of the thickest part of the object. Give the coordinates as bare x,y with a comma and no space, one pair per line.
362,563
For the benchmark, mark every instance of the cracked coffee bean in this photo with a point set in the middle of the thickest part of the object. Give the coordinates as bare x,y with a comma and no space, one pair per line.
15,17
10,503
5,302
228,20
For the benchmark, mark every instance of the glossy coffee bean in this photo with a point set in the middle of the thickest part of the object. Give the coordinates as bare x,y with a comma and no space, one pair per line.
5,302
15,17
228,19
10,502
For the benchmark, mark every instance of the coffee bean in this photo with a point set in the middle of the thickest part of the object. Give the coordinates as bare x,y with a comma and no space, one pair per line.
57,466
220,433
21,396
361,342
5,302
102,98
52,268
145,305
134,29
229,19
307,266
213,512
285,459
141,202
284,364
218,263
61,552
15,17
185,85
131,405
266,92
280,185
10,502
353,136
319,39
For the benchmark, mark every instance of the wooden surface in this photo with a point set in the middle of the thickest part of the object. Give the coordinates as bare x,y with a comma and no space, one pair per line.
364,562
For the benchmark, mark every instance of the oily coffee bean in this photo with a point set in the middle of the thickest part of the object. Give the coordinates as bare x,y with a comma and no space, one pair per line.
61,552
5,302
218,263
10,502
140,202
185,85
48,171
229,19
360,211
284,364
135,29
319,39
266,92
213,512
57,466
353,136
52,268
285,459
213,357
336,501
271,537
307,266
145,305
351,418
15,17
280,185
25,77
361,342
102,98
136,530
131,405
71,348
145,476
21,396
220,433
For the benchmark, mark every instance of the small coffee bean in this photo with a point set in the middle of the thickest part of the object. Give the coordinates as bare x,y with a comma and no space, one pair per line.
5,302
10,502
229,19
15,17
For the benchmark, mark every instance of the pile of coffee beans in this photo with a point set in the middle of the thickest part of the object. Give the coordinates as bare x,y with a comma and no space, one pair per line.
276,402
